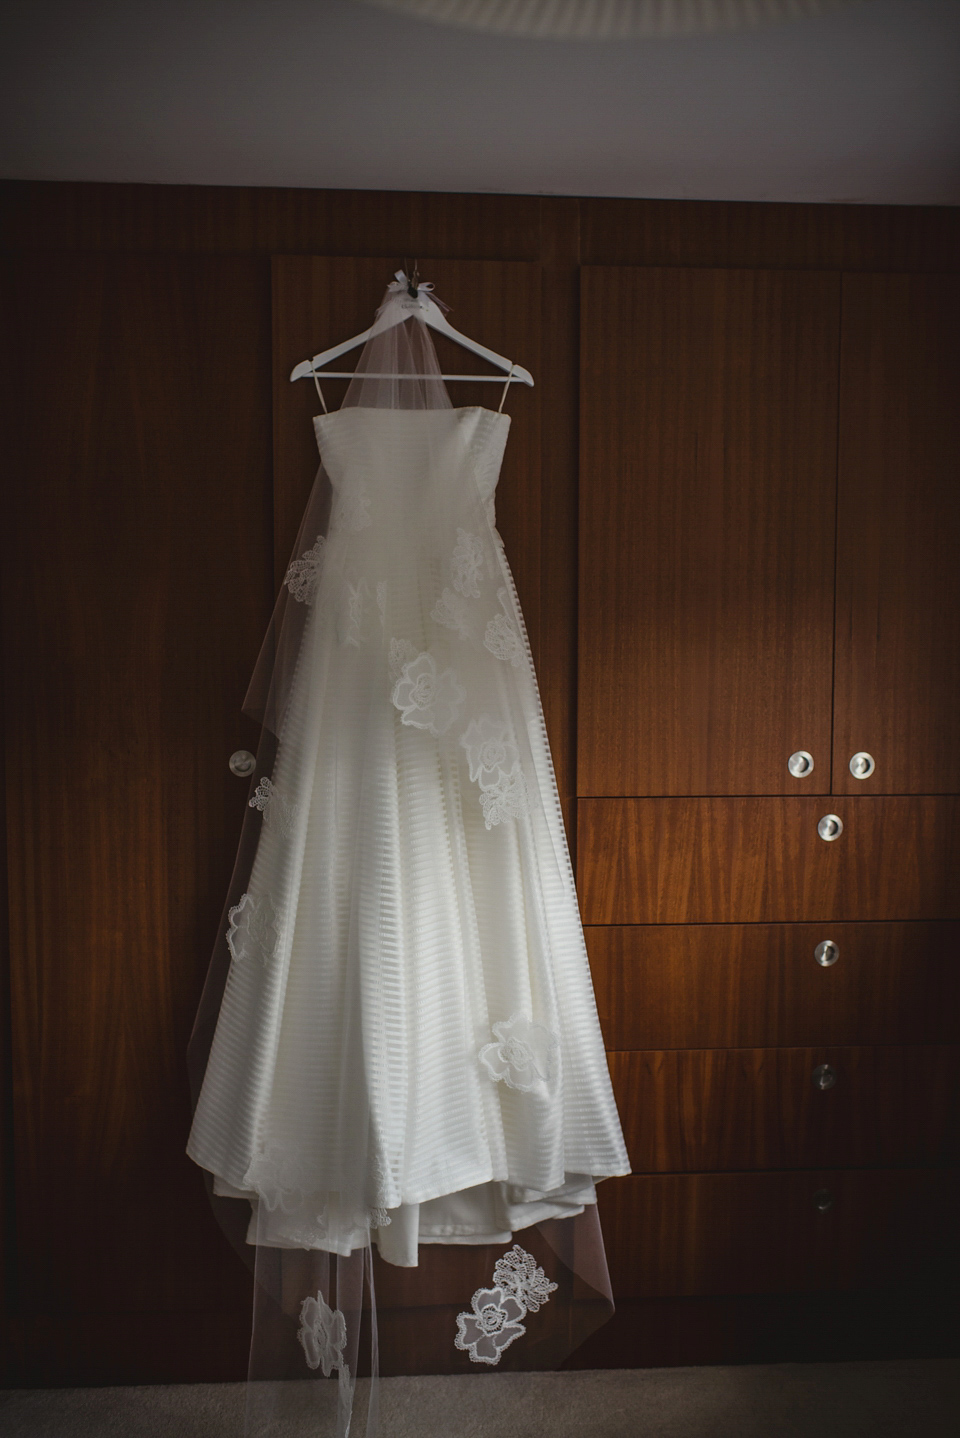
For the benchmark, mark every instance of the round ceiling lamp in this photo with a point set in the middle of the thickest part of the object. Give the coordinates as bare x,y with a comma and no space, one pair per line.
607,19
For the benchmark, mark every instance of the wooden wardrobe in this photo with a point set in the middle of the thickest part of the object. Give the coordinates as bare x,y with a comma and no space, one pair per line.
731,505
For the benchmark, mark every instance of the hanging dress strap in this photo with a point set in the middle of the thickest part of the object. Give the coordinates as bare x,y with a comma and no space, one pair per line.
319,390
505,387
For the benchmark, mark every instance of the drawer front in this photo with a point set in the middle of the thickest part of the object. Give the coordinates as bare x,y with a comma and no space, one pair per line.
762,860
759,985
691,1110
672,1235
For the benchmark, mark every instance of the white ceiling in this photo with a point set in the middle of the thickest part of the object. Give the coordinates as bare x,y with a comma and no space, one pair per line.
861,104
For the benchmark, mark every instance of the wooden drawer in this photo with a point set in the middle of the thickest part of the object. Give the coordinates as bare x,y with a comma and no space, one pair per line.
689,1110
676,1234
761,860
665,986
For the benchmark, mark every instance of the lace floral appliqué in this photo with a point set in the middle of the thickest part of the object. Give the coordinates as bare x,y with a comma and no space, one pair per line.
466,564
303,576
489,752
501,636
279,1175
506,799
357,601
401,652
523,1054
451,611
517,1272
519,1286
323,1334
426,699
495,765
352,509
276,810
254,931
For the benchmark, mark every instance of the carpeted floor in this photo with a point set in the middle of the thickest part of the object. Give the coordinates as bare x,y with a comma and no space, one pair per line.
905,1399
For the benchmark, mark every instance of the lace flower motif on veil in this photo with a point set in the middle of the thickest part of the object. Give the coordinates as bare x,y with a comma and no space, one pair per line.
523,1054
502,637
303,576
426,699
519,1286
254,931
450,610
494,762
278,811
322,1335
466,564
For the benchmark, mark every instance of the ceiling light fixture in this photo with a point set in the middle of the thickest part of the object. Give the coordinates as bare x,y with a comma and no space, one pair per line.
607,19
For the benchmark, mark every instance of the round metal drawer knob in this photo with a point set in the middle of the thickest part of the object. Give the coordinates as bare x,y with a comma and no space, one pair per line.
862,765
826,953
242,763
800,764
822,1200
824,1076
830,827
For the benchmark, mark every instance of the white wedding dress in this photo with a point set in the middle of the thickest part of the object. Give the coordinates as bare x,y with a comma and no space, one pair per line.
407,1047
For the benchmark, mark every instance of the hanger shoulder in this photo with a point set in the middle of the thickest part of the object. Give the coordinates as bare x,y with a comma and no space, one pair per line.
437,320
307,367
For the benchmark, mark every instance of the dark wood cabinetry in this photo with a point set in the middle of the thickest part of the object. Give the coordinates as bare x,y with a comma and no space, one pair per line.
708,438
770,522
897,692
767,538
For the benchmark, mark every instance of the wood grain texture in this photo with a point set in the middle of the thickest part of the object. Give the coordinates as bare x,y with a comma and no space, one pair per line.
135,595
559,389
672,1235
319,301
679,986
702,1110
898,580
761,860
711,232
54,215
707,498
266,220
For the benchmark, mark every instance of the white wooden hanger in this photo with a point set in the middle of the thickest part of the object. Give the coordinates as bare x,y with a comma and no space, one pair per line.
416,300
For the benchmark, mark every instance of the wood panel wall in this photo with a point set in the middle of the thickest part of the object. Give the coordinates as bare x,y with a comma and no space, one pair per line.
142,536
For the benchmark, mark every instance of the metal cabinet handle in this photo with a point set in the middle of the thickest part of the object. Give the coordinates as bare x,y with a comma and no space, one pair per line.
824,1076
826,953
242,763
862,764
830,827
800,764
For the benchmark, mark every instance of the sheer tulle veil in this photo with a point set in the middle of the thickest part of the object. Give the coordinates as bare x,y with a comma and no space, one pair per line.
303,1078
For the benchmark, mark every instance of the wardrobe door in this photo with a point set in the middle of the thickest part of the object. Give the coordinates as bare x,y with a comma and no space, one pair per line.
140,528
707,498
897,693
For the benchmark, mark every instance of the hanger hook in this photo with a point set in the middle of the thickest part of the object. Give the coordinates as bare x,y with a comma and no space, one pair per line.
413,288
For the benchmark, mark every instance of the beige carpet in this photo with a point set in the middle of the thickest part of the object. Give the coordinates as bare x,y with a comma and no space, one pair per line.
904,1399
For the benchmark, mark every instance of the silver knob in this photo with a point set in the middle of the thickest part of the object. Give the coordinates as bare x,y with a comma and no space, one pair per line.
826,953
824,1076
242,763
862,765
822,1200
830,827
800,764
